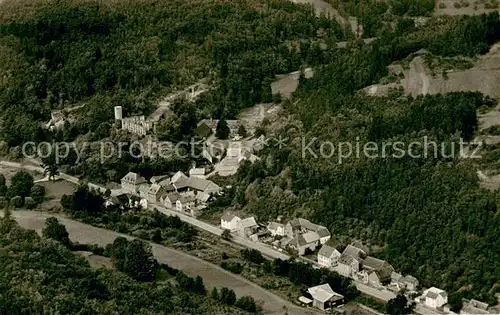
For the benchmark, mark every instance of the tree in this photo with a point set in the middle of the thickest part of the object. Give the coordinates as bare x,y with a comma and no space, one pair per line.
214,294
56,231
135,258
226,235
21,184
246,303
399,306
222,131
50,166
242,131
199,286
38,193
227,296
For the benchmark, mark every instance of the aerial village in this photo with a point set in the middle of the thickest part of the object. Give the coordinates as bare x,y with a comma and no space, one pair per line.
190,193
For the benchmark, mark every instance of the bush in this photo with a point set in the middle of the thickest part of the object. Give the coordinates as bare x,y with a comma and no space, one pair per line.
3,202
29,203
37,193
17,201
56,231
246,303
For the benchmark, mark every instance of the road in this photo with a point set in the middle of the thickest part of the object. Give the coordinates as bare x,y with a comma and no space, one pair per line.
212,275
265,249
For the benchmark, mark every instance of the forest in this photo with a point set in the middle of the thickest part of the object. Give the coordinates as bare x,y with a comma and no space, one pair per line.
427,216
40,275
131,53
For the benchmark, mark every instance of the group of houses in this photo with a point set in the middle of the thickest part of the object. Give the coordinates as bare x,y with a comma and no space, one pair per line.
178,192
302,235
354,263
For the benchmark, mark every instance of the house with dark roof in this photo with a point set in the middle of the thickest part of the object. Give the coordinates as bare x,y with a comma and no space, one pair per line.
304,242
247,227
131,182
324,297
350,261
196,184
474,307
433,297
328,256
301,226
185,203
379,271
155,192
169,200
159,178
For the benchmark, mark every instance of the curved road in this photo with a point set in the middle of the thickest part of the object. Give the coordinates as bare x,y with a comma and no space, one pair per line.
212,275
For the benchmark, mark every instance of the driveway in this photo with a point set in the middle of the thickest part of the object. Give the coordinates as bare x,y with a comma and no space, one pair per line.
213,276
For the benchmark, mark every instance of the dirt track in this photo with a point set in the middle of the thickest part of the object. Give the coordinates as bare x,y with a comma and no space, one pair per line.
212,275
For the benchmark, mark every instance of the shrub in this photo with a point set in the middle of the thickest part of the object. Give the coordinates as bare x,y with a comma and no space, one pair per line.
17,201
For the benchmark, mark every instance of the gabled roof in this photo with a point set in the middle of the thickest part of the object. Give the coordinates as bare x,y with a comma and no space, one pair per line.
396,276
275,226
196,183
173,197
410,279
323,232
178,176
203,197
353,252
154,189
248,222
159,178
383,269
328,251
197,172
434,292
323,293
134,178
187,198
229,217
310,237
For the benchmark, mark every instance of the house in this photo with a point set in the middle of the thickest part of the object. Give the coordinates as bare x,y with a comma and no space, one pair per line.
130,182
324,297
122,201
229,222
154,193
350,261
196,184
474,307
328,256
178,176
304,242
324,235
410,283
433,298
396,281
276,229
247,227
203,130
379,271
170,200
144,190
197,172
300,226
202,197
185,203
158,179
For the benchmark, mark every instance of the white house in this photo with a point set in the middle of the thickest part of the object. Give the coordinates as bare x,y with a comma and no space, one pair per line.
197,172
169,200
154,192
130,182
229,222
434,298
276,229
328,256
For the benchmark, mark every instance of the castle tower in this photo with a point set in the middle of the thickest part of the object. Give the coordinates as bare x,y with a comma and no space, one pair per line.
118,113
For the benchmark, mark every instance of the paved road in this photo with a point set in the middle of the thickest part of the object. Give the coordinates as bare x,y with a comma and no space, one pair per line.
264,249
211,274
383,295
